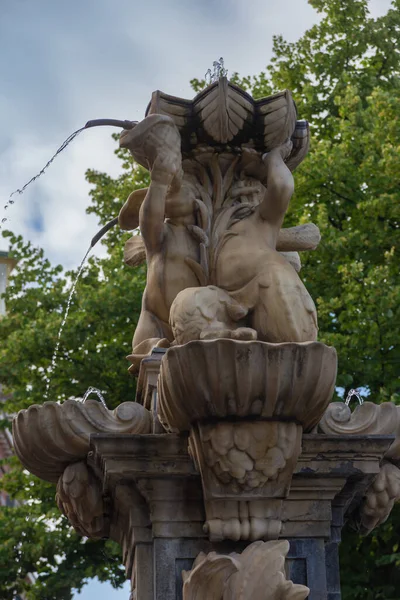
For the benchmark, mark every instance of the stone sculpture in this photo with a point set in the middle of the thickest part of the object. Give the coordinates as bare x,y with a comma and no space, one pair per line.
219,457
212,216
371,419
256,574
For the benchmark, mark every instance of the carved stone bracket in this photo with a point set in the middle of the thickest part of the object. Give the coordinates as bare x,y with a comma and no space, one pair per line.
255,574
379,499
372,419
79,497
245,467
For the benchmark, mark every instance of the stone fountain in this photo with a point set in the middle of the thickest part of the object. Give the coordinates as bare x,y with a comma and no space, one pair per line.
232,474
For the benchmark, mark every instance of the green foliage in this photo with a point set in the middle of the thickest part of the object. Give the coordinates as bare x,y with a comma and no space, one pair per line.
344,75
34,538
371,566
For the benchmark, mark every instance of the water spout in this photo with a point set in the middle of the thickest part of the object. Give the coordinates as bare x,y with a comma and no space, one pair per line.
103,231
89,124
111,123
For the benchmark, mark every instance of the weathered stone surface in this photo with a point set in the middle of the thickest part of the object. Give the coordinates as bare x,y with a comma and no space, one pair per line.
160,464
255,574
49,437
370,418
367,418
242,457
79,497
211,219
245,468
223,378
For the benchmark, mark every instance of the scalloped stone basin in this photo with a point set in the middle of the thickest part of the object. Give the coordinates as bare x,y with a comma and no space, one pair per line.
50,436
226,378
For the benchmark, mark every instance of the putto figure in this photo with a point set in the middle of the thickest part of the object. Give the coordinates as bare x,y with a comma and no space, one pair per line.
212,217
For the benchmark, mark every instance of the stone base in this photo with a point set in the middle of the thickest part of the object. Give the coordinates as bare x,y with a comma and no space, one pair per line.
156,507
159,573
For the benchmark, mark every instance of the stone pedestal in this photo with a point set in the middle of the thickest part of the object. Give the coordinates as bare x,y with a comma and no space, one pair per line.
159,517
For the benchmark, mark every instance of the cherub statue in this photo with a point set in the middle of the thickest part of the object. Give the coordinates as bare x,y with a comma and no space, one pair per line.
212,230
166,216
258,277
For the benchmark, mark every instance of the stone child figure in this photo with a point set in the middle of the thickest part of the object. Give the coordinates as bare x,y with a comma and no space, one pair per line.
167,241
260,292
251,270
165,216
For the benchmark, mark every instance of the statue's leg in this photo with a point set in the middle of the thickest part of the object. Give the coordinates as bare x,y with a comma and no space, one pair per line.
284,311
150,326
150,332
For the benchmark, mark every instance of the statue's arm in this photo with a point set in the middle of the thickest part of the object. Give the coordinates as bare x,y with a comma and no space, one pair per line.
151,216
280,185
152,211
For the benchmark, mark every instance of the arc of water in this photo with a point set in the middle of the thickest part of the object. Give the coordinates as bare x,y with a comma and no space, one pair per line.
94,123
356,394
20,191
93,390
66,312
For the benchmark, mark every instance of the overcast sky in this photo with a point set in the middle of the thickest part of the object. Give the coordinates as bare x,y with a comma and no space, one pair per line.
63,63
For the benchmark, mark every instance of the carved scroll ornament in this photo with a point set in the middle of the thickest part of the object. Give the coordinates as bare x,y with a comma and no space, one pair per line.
371,419
47,438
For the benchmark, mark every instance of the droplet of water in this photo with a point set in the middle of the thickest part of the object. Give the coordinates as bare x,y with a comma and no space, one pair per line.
66,312
93,390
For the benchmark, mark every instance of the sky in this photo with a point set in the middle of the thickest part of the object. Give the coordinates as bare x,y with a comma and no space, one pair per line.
63,63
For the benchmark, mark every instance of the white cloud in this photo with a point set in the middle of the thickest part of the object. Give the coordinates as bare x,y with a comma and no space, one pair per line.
62,64
91,60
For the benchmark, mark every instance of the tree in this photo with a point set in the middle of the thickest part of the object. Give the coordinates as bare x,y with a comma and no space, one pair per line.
34,538
344,75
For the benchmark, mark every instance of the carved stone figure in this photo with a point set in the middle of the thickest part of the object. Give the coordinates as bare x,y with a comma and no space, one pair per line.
255,574
250,269
372,419
208,313
167,244
212,217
